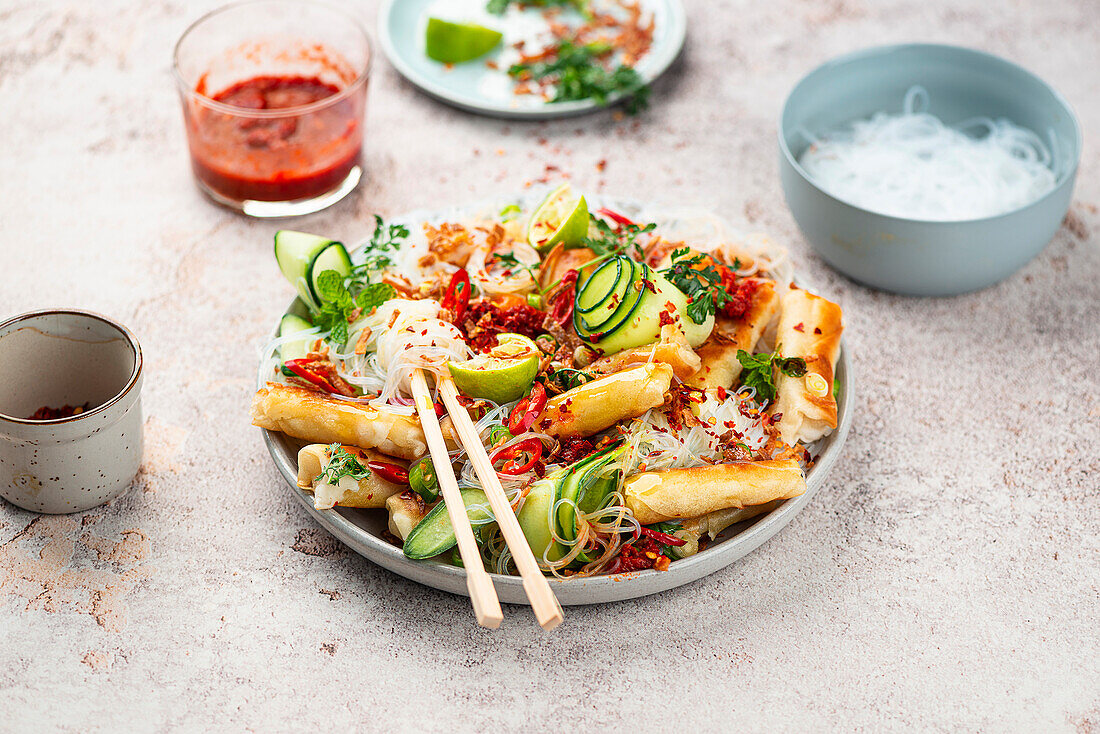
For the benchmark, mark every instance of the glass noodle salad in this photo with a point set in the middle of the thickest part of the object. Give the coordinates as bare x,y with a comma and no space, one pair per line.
640,380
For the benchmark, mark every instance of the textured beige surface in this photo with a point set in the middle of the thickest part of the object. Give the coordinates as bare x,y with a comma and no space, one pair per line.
945,578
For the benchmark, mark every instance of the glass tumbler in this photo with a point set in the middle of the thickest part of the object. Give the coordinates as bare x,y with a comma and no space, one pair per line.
274,95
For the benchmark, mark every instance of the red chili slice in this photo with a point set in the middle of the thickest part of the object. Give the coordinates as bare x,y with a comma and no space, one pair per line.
615,216
663,538
531,447
527,410
321,374
561,306
457,297
390,472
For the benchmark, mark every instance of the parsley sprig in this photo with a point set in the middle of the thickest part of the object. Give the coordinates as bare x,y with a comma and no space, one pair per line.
342,464
576,72
702,285
757,371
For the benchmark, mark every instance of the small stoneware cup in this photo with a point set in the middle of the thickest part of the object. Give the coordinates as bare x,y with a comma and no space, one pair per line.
55,363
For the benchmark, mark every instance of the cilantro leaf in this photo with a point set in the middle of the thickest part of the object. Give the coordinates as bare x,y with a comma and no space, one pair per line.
756,371
702,285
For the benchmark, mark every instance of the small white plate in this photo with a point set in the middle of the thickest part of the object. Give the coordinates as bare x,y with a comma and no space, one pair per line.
361,530
476,88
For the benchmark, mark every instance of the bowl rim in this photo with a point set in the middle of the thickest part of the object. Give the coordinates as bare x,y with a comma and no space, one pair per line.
864,54
131,342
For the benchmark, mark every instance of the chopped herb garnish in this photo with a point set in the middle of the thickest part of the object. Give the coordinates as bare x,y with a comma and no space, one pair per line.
702,285
512,263
757,371
497,7
342,464
576,72
620,240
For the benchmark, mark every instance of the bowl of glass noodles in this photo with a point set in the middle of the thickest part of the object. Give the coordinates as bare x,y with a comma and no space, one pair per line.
926,169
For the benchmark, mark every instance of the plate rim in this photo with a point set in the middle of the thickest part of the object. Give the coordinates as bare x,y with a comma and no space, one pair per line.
591,589
663,61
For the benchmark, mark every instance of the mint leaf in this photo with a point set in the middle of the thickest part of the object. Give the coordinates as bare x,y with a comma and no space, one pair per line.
330,287
374,295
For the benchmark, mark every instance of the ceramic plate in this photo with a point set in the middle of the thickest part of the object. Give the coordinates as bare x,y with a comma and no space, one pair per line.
361,530
475,87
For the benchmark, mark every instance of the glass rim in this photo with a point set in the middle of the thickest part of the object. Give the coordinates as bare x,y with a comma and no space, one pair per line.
359,81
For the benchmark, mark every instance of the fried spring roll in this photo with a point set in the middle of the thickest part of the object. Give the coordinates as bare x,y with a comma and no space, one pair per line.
311,416
713,523
370,491
594,406
673,349
718,354
684,493
810,328
406,510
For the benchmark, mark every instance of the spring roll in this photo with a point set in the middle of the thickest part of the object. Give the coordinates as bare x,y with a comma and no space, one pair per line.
711,524
370,491
594,406
314,417
406,510
672,349
718,354
810,328
685,493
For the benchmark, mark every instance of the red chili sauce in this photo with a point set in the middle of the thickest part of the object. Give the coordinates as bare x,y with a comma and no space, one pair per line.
282,158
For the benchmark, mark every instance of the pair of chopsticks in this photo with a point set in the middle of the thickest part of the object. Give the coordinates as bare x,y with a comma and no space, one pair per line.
484,597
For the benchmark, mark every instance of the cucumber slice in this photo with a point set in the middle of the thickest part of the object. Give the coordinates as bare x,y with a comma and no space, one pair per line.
434,534
634,293
585,488
292,324
599,286
295,252
602,313
333,257
535,517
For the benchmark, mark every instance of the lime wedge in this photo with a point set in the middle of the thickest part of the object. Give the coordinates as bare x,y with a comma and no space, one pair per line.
453,43
561,217
503,374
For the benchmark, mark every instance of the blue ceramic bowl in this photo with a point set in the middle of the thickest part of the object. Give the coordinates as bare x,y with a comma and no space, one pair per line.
920,257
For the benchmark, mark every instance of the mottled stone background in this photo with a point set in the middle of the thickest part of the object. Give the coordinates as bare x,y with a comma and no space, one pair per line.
947,577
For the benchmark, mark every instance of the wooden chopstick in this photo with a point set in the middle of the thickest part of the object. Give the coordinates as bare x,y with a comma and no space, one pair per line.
545,605
480,586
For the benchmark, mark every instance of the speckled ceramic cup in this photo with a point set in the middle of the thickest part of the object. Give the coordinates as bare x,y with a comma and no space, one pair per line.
57,358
